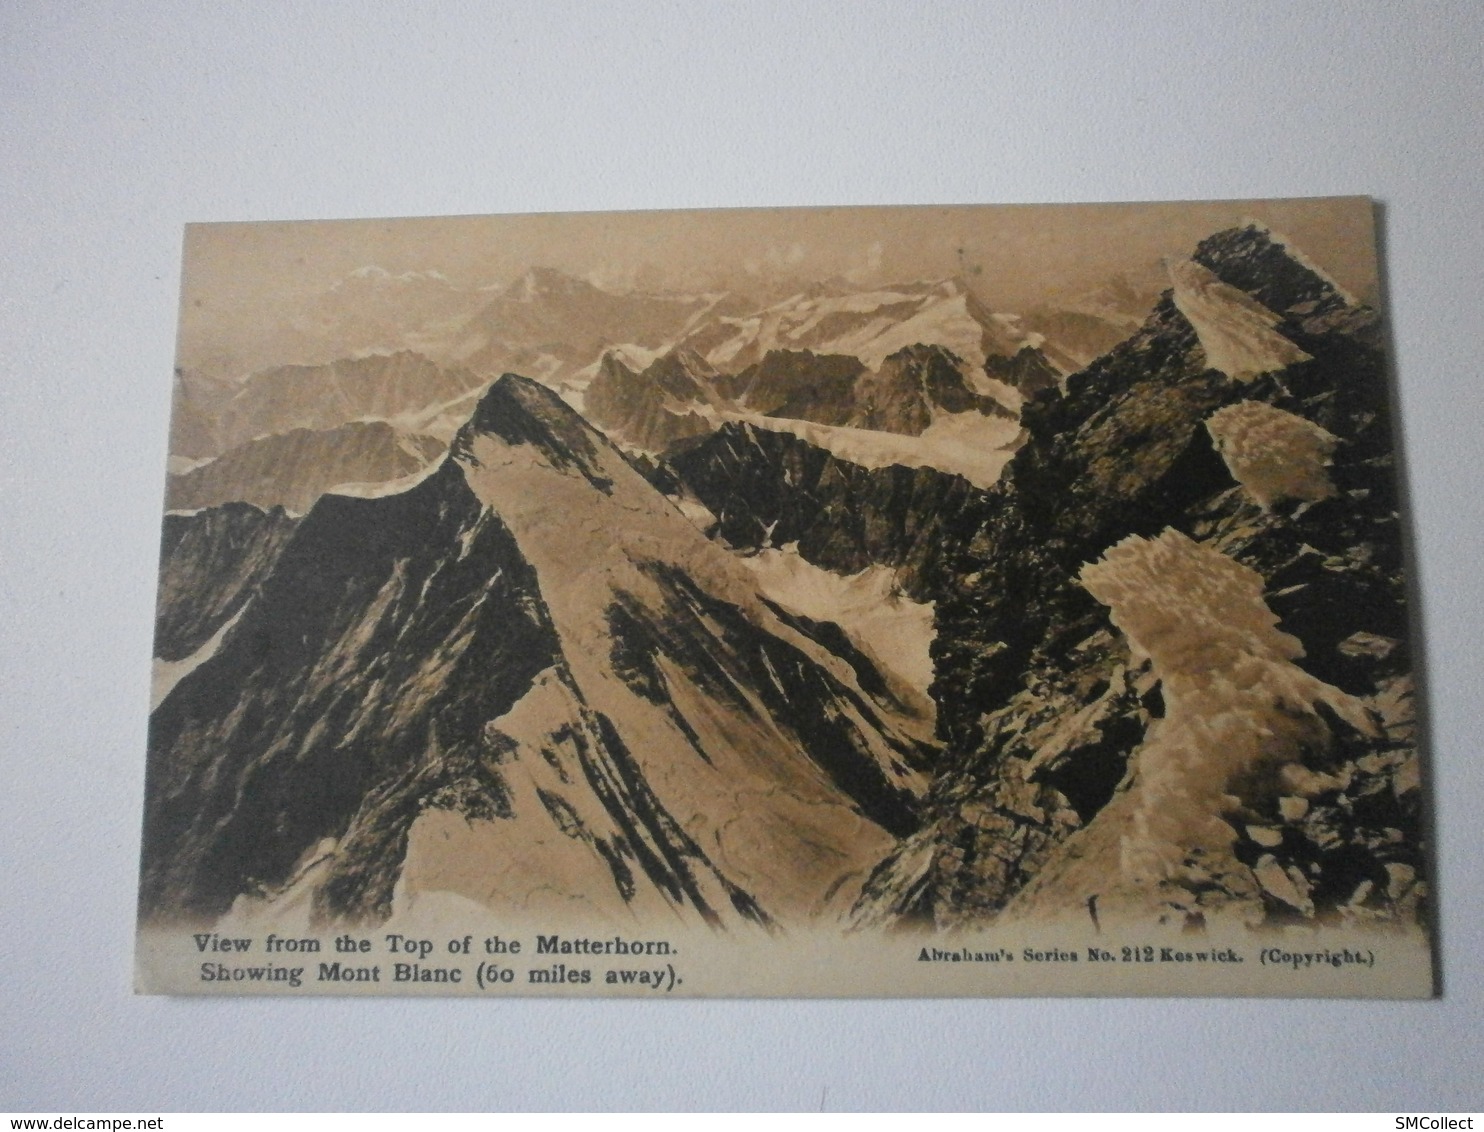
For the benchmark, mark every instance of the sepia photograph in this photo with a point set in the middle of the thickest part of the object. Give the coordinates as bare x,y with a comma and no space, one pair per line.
920,601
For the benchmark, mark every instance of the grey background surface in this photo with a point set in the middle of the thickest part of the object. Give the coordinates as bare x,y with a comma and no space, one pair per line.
121,122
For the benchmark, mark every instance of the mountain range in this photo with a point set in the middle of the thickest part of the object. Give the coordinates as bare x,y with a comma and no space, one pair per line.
871,607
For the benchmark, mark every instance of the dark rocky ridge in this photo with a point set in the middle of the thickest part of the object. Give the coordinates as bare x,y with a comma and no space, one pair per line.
911,387
210,565
1028,371
278,740
292,469
798,384
656,408
773,488
1022,648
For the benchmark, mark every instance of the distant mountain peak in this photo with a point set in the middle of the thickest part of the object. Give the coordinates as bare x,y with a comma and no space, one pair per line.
545,282
688,361
614,362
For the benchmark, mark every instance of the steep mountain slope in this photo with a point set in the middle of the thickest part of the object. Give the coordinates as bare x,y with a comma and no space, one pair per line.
529,662
1102,769
210,564
276,741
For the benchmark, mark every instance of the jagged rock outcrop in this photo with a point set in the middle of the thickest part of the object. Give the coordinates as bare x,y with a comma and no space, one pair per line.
912,388
1027,372
210,564
799,385
1054,717
767,488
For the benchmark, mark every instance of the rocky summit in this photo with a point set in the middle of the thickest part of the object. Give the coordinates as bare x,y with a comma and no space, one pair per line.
1058,700
603,715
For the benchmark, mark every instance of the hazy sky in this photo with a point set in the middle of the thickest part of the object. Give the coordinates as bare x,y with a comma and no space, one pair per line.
238,275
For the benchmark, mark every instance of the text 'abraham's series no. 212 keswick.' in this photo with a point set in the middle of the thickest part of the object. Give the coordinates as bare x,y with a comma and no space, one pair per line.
910,601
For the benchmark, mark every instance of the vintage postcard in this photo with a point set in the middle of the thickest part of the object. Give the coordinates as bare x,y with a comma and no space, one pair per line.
845,601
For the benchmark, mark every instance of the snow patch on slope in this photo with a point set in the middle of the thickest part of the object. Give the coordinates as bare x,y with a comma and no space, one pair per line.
971,445
374,490
1235,330
180,465
870,606
1273,454
165,674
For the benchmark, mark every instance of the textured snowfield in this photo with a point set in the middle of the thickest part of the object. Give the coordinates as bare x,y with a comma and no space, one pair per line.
896,631
1235,704
1235,330
1273,454
970,445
